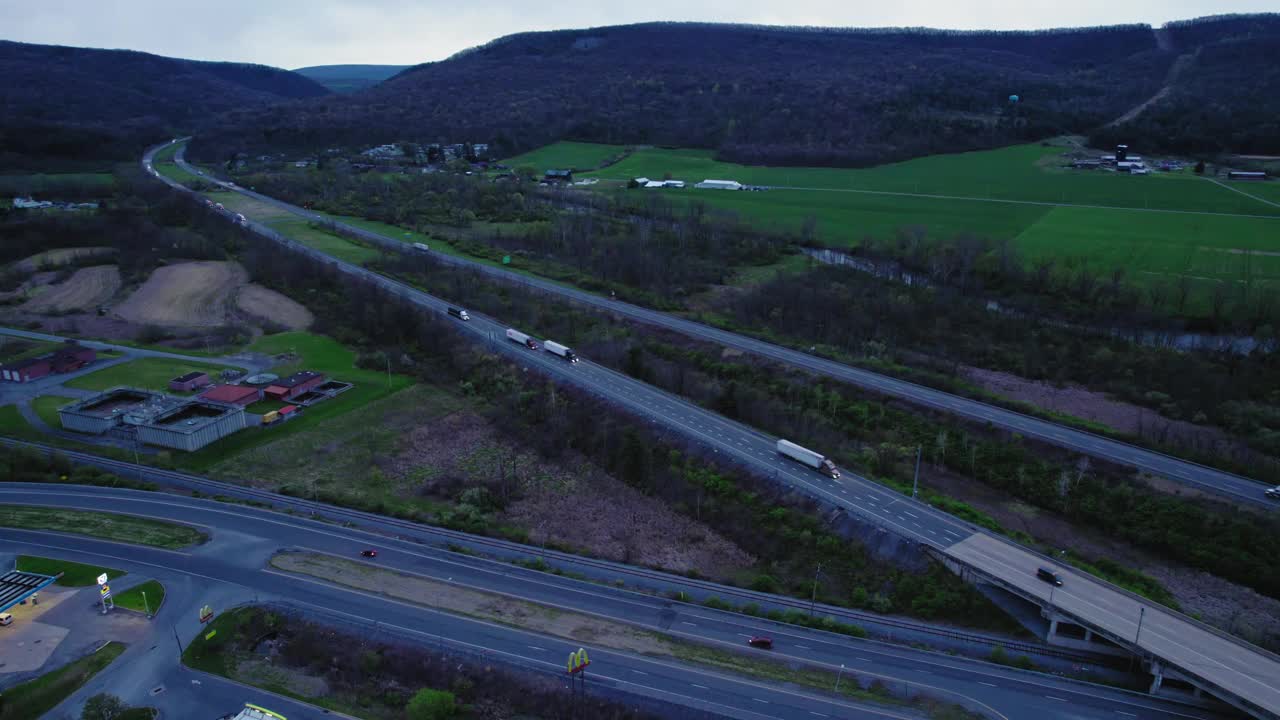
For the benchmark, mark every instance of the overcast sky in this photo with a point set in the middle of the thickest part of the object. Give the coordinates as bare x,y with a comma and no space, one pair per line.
298,33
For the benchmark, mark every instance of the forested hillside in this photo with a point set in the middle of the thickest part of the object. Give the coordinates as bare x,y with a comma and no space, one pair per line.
807,96
1226,99
759,94
75,105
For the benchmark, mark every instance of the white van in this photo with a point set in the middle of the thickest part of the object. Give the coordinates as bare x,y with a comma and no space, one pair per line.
6,619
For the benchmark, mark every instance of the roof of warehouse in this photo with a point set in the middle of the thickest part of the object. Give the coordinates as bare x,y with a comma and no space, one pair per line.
228,393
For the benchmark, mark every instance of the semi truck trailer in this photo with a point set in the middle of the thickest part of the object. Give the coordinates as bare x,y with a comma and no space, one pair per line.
422,247
805,456
459,313
556,348
516,336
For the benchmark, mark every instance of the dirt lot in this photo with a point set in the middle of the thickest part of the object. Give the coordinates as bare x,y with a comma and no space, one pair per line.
29,286
271,306
490,606
1237,609
189,294
574,504
60,256
85,290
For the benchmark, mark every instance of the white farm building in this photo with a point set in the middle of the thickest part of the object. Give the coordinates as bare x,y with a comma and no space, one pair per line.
719,185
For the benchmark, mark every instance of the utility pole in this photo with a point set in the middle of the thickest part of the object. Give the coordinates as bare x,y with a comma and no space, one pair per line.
387,357
145,604
813,599
915,483
838,676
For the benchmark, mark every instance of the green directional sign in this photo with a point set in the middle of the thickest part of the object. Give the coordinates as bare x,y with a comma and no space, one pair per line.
506,259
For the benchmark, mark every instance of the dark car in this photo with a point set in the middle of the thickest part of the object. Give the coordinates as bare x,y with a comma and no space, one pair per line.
1049,576
369,553
761,642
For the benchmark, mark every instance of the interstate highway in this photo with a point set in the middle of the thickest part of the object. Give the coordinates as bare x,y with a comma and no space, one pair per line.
1236,487
1243,670
243,538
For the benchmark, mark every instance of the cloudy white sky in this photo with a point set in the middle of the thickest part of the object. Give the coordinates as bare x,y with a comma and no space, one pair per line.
297,33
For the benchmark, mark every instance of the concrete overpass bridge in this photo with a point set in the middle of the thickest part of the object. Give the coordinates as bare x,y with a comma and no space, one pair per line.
1178,651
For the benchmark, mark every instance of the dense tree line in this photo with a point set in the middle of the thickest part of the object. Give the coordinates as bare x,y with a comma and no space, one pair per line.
860,316
145,224
759,95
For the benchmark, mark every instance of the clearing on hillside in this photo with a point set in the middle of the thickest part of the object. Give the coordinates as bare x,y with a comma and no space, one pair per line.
85,290
271,306
189,294
60,256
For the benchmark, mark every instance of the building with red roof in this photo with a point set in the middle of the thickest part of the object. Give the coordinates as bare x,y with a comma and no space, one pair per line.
232,394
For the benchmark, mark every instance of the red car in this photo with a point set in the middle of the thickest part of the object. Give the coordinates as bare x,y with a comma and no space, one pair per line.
761,642
369,553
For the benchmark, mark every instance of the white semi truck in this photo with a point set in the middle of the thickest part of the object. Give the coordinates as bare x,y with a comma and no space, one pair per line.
805,456
516,336
556,348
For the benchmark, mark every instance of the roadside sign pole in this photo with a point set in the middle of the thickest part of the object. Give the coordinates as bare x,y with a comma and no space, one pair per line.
146,604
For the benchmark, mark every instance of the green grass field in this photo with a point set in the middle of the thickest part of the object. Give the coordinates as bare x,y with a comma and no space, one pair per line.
110,526
574,156
145,373
1155,227
295,228
34,698
13,349
316,352
132,598
46,406
74,574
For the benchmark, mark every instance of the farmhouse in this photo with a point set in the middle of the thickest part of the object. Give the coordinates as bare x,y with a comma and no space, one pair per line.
72,357
193,380
558,176
719,185
241,395
296,384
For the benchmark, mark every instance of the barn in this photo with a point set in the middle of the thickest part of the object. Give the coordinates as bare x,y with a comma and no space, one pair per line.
27,370
71,358
296,384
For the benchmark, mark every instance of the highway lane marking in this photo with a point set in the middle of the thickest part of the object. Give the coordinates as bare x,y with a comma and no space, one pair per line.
700,687
535,647
818,714
639,672
908,512
766,702
1056,698
1121,712
688,623
980,682
803,647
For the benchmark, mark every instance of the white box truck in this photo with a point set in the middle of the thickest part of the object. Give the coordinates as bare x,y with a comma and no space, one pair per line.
556,348
516,336
421,247
808,457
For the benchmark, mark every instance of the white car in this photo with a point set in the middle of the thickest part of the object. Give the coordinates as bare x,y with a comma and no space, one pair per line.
1273,493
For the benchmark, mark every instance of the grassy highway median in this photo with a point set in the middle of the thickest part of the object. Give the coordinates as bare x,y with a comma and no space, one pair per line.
108,526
